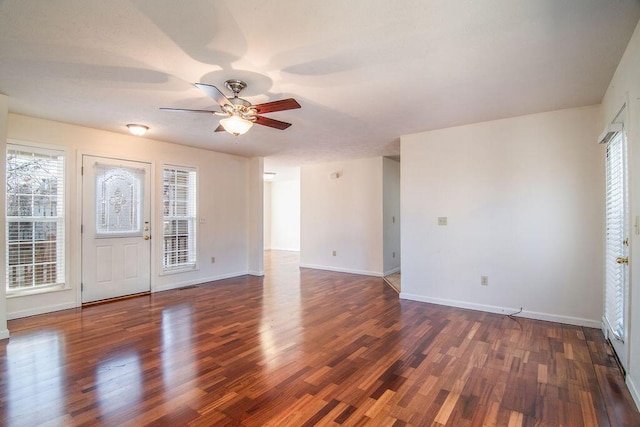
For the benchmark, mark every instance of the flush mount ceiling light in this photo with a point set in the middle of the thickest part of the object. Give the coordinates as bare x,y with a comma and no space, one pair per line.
137,130
268,176
236,125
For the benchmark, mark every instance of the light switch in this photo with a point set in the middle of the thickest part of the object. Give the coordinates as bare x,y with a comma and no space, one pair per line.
442,220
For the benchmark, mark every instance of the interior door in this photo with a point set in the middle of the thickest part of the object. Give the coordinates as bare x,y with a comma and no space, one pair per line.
616,310
116,229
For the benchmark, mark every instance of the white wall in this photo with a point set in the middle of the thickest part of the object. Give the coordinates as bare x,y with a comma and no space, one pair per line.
623,89
285,215
391,215
223,205
266,217
524,202
255,222
342,215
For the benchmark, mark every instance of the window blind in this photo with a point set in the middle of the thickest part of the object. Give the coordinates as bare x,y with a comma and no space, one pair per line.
616,233
179,217
34,218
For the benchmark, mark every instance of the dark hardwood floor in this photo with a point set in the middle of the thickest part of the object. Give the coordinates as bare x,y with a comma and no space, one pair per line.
303,348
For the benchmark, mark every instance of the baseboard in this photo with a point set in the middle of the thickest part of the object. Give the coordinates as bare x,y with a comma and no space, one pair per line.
343,270
198,281
577,321
285,249
40,310
392,271
634,391
256,273
4,334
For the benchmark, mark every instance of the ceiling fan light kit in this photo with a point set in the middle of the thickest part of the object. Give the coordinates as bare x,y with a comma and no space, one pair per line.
239,114
236,125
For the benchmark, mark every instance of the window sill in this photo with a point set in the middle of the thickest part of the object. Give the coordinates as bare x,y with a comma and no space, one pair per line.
27,292
177,270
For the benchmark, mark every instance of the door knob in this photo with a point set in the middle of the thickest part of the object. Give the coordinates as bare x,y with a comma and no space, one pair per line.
147,237
621,260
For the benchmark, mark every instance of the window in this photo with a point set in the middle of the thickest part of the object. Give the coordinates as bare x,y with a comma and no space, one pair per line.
34,218
179,217
119,194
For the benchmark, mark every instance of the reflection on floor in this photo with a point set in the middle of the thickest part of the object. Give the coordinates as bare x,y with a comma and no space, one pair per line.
394,281
304,347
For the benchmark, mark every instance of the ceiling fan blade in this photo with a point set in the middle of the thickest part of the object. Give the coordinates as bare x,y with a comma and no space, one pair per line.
220,129
186,110
265,121
215,93
269,107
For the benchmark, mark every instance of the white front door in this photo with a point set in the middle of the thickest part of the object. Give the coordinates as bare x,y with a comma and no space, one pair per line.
116,228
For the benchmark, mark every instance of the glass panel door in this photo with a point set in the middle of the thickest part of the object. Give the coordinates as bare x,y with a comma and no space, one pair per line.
617,246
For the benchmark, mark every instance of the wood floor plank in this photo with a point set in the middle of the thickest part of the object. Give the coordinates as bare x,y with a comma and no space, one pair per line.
304,347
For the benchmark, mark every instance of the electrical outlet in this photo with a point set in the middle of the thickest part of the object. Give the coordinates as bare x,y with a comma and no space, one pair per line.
484,280
334,253
213,260
442,220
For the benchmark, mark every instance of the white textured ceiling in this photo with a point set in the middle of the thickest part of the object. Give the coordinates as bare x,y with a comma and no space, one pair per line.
364,71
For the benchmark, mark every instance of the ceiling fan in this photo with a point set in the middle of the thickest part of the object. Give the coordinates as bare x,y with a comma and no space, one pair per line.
239,114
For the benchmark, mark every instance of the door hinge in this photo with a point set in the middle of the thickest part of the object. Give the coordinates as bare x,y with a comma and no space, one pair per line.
81,228
81,170
81,287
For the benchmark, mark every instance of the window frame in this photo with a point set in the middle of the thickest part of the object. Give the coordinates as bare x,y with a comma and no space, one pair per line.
63,240
193,225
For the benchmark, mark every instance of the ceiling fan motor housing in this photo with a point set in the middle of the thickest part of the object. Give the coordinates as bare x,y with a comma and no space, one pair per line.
235,86
241,107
